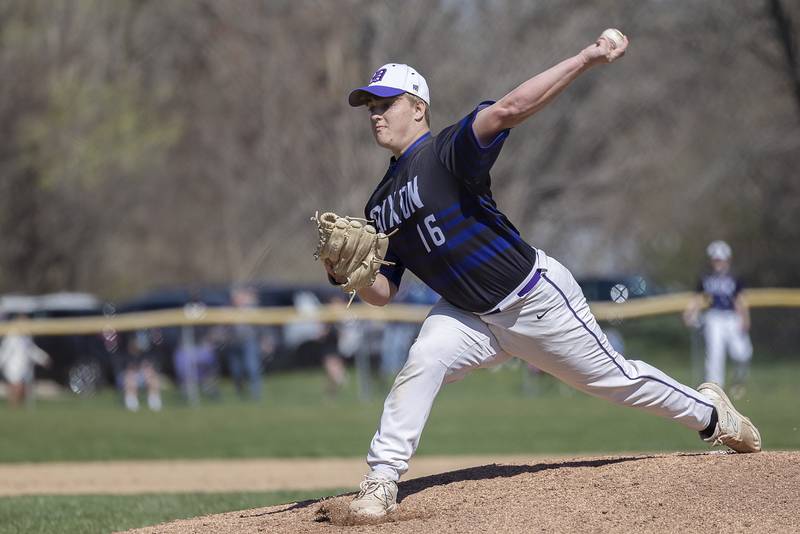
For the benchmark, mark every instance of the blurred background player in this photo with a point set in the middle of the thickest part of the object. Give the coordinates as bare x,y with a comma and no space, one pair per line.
727,321
18,356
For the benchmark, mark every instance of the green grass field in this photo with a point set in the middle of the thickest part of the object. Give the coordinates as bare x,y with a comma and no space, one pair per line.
489,412
105,513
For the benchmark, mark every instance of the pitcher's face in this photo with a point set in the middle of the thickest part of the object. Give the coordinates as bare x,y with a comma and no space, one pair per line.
392,121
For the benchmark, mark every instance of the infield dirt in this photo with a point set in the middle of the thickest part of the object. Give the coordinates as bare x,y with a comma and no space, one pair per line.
709,492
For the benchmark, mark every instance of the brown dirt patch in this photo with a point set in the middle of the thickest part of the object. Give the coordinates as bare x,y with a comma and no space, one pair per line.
661,493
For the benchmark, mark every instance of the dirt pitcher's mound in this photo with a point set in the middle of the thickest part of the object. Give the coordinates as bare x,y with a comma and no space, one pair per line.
710,492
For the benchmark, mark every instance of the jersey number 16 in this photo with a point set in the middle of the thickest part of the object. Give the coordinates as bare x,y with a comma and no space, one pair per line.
435,233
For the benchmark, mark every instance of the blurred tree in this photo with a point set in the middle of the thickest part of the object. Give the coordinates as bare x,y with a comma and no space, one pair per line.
787,35
188,142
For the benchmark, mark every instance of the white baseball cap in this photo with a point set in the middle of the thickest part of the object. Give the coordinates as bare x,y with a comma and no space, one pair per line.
719,250
392,79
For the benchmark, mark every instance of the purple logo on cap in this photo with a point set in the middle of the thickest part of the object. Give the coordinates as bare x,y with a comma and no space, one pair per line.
378,76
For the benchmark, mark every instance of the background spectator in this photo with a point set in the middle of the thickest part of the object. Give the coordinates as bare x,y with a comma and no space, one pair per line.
139,368
245,347
196,365
341,342
398,336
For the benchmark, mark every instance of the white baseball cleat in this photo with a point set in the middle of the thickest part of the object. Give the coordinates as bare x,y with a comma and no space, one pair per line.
378,497
733,429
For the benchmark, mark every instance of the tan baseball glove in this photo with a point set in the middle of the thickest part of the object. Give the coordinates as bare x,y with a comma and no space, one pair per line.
353,249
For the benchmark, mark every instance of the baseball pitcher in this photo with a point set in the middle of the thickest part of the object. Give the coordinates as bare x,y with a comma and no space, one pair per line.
501,297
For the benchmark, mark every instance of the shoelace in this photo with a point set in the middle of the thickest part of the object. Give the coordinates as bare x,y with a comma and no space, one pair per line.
719,440
371,485
735,435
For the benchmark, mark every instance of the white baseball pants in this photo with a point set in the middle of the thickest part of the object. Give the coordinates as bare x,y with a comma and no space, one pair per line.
552,328
723,333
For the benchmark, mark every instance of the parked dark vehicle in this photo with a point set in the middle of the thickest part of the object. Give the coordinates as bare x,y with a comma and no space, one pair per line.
170,298
80,362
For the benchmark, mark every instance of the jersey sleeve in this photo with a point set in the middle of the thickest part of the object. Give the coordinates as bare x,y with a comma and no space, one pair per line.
393,272
463,155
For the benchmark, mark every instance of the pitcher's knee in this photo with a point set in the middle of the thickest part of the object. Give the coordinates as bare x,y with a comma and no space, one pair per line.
423,360
431,350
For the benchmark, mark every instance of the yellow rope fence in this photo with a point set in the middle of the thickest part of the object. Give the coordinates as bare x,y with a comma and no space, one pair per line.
201,315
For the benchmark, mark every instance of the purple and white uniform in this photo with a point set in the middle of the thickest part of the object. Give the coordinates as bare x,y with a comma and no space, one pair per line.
723,325
501,297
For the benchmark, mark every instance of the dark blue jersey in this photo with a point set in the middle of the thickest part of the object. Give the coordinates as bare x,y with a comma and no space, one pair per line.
722,290
449,232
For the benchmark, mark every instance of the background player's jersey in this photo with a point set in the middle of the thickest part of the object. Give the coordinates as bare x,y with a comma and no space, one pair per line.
449,230
722,290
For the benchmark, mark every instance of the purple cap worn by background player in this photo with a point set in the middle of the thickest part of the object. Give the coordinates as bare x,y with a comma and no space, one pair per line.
392,79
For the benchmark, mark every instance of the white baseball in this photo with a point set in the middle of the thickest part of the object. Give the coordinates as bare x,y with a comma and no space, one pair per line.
619,293
614,37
